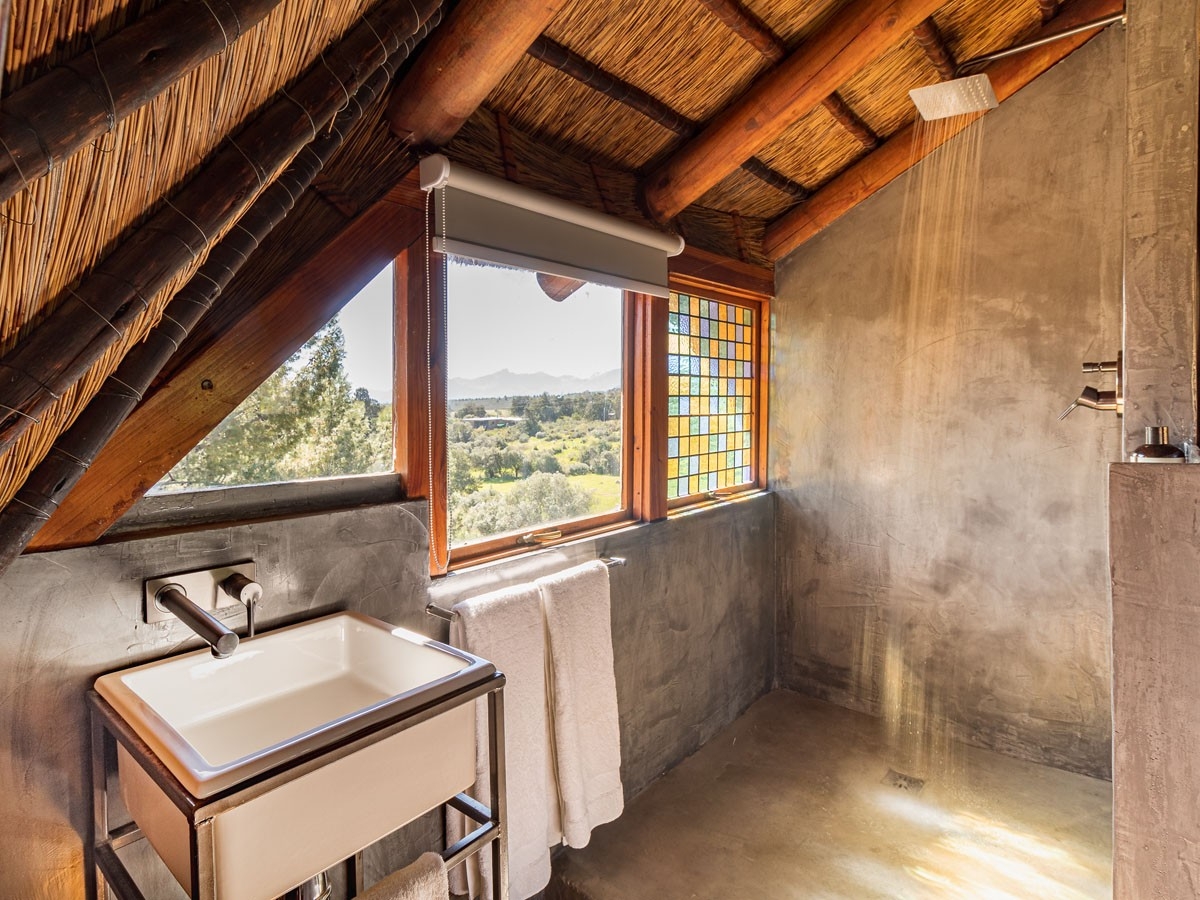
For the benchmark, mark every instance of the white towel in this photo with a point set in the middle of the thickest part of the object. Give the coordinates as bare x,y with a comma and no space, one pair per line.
423,880
587,735
506,627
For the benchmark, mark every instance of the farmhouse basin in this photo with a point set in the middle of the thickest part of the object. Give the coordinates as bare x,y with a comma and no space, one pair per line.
217,724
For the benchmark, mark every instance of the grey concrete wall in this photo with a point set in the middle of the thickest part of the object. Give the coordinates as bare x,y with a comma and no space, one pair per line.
941,537
1156,668
691,616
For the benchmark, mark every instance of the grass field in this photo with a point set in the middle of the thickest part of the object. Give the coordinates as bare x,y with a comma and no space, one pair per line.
605,489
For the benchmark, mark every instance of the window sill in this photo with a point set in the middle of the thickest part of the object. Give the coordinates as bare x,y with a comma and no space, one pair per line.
184,510
489,552
685,506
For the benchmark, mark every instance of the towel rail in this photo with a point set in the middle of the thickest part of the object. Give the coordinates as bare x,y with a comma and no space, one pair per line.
448,615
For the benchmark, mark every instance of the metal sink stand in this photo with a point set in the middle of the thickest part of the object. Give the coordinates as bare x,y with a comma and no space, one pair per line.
109,876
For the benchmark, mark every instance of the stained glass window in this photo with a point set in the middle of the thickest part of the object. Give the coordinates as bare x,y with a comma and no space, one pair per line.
711,363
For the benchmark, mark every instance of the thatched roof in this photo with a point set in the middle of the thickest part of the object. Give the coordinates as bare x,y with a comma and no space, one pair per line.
693,62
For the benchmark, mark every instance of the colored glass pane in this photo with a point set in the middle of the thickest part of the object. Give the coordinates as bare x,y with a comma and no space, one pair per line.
710,401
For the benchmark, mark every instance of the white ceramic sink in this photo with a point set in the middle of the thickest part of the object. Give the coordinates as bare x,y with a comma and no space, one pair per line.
215,724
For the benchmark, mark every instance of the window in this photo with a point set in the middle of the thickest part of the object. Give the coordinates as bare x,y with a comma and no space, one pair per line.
325,412
521,418
535,434
712,394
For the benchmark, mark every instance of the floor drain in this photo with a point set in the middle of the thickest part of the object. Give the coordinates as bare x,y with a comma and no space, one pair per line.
903,782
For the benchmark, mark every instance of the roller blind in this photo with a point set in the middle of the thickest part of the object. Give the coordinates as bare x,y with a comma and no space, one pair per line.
492,220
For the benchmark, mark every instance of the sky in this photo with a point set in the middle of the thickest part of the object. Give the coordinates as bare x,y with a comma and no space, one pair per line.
367,325
499,319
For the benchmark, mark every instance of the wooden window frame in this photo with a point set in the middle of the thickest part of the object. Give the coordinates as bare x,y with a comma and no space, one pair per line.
760,305
421,384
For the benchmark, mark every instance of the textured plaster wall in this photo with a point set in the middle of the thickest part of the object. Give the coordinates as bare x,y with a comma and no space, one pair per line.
940,536
692,620
1156,667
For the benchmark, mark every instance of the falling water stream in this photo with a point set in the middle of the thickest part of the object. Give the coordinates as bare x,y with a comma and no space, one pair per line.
911,646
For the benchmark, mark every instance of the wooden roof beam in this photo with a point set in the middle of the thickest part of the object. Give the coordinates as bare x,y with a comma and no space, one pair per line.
583,70
859,181
749,27
1048,9
929,38
862,32
462,62
70,106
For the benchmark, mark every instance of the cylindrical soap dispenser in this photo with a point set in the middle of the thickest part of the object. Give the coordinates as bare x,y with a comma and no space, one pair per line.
1156,449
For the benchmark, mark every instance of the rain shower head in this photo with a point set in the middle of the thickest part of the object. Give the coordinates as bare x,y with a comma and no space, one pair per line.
974,93
954,98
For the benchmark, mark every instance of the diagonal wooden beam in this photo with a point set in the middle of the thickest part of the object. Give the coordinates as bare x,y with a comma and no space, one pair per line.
862,32
462,62
583,70
848,119
929,38
73,104
172,420
1048,9
859,181
749,27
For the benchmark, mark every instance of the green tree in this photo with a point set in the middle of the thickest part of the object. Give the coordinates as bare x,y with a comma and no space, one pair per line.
305,421
540,499
468,410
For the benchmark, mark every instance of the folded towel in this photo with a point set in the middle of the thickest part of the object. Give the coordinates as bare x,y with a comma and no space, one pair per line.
506,627
423,880
587,736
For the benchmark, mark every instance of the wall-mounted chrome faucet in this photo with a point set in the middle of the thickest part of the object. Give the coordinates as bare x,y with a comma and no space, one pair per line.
1091,398
174,599
198,597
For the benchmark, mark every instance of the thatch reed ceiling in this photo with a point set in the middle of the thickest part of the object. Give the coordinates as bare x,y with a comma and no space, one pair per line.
570,130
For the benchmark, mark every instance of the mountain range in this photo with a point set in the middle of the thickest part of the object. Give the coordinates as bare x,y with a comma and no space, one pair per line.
511,384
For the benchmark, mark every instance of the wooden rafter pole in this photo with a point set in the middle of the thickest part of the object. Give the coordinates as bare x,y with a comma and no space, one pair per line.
477,45
95,314
861,33
73,104
848,119
74,451
583,70
1048,9
748,27
859,181
929,39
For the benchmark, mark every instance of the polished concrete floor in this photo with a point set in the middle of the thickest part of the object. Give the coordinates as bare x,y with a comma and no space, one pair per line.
792,801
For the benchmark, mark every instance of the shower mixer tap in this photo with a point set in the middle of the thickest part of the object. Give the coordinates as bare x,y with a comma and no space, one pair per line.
1092,398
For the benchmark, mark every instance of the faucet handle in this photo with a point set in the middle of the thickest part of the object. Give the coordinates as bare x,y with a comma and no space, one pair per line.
245,591
242,589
